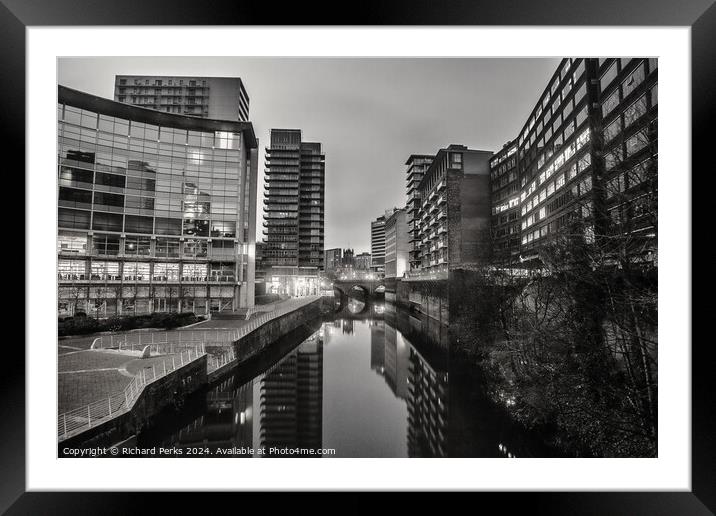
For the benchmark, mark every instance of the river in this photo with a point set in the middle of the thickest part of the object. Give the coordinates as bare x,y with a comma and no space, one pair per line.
368,381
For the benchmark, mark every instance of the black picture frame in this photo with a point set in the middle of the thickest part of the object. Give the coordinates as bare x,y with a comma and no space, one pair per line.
17,15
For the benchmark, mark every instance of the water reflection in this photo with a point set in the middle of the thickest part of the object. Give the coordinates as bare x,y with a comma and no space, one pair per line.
372,383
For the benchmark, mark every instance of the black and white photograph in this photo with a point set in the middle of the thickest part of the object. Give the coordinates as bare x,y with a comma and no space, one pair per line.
357,257
414,251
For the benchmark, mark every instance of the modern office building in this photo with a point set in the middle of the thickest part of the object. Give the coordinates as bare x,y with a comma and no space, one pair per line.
217,98
417,166
586,162
294,208
453,220
377,244
505,190
333,259
156,210
396,244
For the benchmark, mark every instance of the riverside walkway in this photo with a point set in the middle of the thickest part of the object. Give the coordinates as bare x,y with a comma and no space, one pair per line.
101,376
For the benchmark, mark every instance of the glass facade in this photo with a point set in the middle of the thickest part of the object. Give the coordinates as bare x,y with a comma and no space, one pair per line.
152,210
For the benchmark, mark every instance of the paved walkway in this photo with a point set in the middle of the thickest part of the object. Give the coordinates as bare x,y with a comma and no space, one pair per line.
86,376
90,375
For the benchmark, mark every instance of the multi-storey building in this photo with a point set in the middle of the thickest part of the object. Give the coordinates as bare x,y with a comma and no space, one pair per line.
294,210
362,262
453,220
377,244
156,210
218,98
417,165
505,198
396,244
333,259
586,160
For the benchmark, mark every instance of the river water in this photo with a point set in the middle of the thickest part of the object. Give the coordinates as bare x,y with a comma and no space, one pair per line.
368,381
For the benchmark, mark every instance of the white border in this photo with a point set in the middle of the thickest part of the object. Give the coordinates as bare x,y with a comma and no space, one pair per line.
670,471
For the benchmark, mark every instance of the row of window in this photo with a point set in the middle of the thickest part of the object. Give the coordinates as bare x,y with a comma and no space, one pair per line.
79,270
114,126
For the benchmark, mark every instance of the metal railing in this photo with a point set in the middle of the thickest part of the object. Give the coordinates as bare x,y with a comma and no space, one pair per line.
191,345
107,408
136,341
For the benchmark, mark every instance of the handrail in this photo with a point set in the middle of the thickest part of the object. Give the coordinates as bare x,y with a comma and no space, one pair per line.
195,340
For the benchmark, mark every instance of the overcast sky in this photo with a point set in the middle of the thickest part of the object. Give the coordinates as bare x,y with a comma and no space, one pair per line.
370,114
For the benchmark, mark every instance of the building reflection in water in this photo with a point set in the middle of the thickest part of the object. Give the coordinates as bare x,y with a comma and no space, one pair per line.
430,401
291,398
282,407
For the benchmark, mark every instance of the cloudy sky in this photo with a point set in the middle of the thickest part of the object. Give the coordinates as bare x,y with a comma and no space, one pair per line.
369,114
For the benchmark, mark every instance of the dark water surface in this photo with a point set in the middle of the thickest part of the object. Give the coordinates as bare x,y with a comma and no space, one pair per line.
369,381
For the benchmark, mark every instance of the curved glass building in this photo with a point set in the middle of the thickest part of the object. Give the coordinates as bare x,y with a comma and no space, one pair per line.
156,211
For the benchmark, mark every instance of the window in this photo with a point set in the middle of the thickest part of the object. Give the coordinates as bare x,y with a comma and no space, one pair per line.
610,103
223,229
112,180
135,271
74,243
636,142
142,203
654,94
76,177
74,198
196,227
105,244
73,219
584,162
107,221
583,138
70,270
166,226
608,76
107,199
580,93
635,111
167,248
136,224
195,247
612,130
615,186
634,80
137,246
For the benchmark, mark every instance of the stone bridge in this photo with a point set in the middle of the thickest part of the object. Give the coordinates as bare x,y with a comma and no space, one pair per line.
367,288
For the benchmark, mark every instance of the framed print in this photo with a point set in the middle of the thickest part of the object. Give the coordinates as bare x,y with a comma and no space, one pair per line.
414,251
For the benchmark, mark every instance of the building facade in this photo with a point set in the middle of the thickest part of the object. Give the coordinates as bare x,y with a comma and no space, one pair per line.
294,207
362,262
505,190
377,244
333,259
417,166
348,261
396,244
217,98
156,211
453,220
586,160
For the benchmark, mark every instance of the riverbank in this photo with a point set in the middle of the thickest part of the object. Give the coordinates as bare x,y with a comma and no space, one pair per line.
244,341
